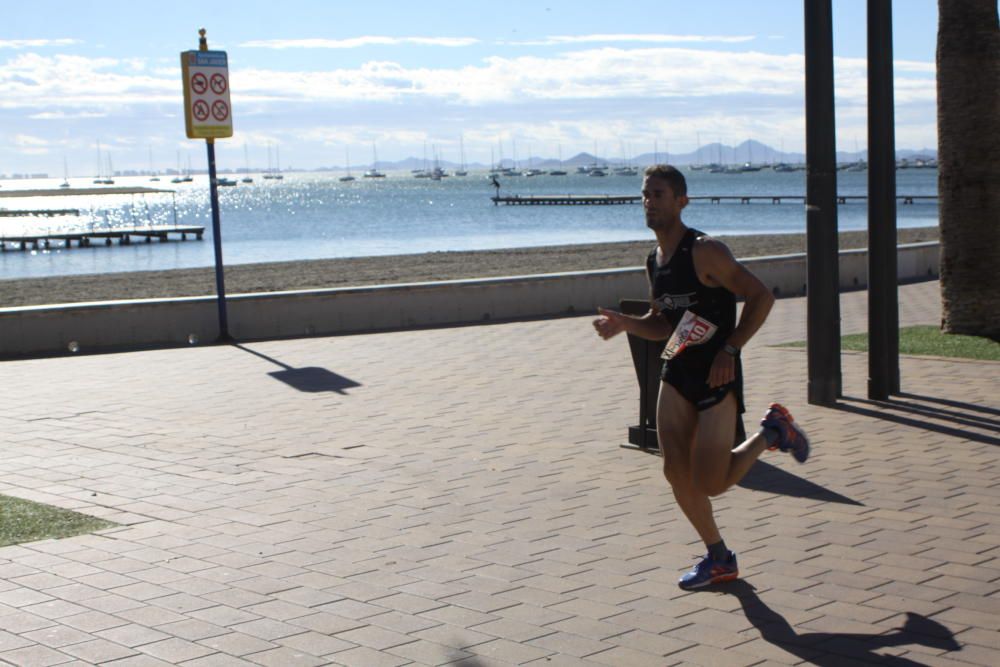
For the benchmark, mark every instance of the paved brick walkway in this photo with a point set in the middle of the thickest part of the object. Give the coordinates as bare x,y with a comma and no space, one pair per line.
458,496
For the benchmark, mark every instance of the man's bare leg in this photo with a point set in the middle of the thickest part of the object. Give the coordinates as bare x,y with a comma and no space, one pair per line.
715,465
677,424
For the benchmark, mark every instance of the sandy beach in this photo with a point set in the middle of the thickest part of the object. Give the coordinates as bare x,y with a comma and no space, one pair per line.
311,274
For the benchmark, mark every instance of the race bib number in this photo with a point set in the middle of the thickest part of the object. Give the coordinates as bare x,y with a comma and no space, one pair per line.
691,330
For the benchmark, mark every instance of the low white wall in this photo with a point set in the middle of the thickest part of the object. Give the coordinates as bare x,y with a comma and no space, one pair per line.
109,325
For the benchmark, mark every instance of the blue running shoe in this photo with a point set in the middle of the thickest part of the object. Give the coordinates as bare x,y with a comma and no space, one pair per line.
791,438
708,572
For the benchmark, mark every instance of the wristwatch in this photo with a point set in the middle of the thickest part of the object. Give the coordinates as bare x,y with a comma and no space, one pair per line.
731,350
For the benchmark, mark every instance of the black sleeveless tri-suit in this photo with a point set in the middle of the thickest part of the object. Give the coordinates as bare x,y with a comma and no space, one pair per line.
677,290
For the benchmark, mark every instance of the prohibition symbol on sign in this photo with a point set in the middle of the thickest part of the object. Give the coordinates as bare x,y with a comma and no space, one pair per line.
200,109
220,110
218,83
199,83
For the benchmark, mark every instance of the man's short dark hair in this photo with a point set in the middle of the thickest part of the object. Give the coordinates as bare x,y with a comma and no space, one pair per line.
672,175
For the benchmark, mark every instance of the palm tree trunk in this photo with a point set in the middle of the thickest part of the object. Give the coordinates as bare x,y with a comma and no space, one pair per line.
968,103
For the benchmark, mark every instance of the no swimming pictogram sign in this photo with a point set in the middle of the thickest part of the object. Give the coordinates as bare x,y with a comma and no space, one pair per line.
207,108
220,110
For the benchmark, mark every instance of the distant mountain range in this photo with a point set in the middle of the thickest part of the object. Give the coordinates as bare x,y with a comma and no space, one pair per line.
748,151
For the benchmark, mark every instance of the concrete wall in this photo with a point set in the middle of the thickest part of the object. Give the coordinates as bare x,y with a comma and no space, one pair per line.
110,325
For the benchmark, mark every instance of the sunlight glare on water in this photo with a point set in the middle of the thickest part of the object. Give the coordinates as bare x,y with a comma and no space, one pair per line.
315,216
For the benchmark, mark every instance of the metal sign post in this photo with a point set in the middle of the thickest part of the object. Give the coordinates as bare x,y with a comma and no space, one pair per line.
208,115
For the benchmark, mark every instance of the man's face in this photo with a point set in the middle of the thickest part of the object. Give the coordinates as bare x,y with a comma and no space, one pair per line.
662,208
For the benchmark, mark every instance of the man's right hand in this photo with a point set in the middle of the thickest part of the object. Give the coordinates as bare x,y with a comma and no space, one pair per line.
609,323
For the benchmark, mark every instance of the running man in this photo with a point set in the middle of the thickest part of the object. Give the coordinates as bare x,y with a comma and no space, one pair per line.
694,281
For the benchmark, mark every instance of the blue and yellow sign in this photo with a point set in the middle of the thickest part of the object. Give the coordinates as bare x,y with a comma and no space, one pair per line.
208,113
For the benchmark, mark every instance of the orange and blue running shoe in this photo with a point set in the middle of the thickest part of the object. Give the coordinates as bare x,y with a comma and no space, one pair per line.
790,438
708,572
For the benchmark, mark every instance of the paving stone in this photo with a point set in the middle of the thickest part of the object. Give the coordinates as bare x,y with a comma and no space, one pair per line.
366,657
9,641
374,637
97,651
22,622
427,653
138,661
218,660
491,515
709,655
236,644
621,655
36,654
570,644
132,635
268,629
279,657
175,650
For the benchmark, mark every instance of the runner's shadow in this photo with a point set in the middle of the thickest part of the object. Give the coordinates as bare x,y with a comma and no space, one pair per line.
310,379
834,648
919,416
772,479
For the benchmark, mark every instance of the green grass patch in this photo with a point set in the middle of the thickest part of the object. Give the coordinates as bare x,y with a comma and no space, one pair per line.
928,341
27,521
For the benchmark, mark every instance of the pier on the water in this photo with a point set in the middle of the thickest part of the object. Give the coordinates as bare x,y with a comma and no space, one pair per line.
87,238
85,235
75,192
607,200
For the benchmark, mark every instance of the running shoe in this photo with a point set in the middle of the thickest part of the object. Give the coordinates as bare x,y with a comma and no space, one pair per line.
791,438
708,572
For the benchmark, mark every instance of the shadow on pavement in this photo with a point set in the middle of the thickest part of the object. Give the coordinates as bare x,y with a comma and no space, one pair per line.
310,379
767,478
955,404
918,415
772,479
838,648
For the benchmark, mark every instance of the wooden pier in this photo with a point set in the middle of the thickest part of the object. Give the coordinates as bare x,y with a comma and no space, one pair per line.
566,200
43,212
84,239
608,200
72,192
92,234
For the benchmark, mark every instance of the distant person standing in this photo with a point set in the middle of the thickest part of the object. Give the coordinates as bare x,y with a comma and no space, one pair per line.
694,282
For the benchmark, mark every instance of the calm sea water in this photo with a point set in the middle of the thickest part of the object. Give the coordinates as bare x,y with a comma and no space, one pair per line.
314,216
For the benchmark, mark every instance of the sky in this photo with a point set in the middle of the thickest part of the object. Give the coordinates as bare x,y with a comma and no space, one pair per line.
319,80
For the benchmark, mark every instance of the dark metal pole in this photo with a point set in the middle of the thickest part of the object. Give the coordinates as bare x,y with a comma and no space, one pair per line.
823,273
883,302
220,281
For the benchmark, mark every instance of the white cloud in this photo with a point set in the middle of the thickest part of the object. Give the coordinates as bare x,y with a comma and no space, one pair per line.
356,42
30,145
34,81
100,84
29,141
605,73
361,135
910,83
614,96
914,67
64,115
557,40
35,43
